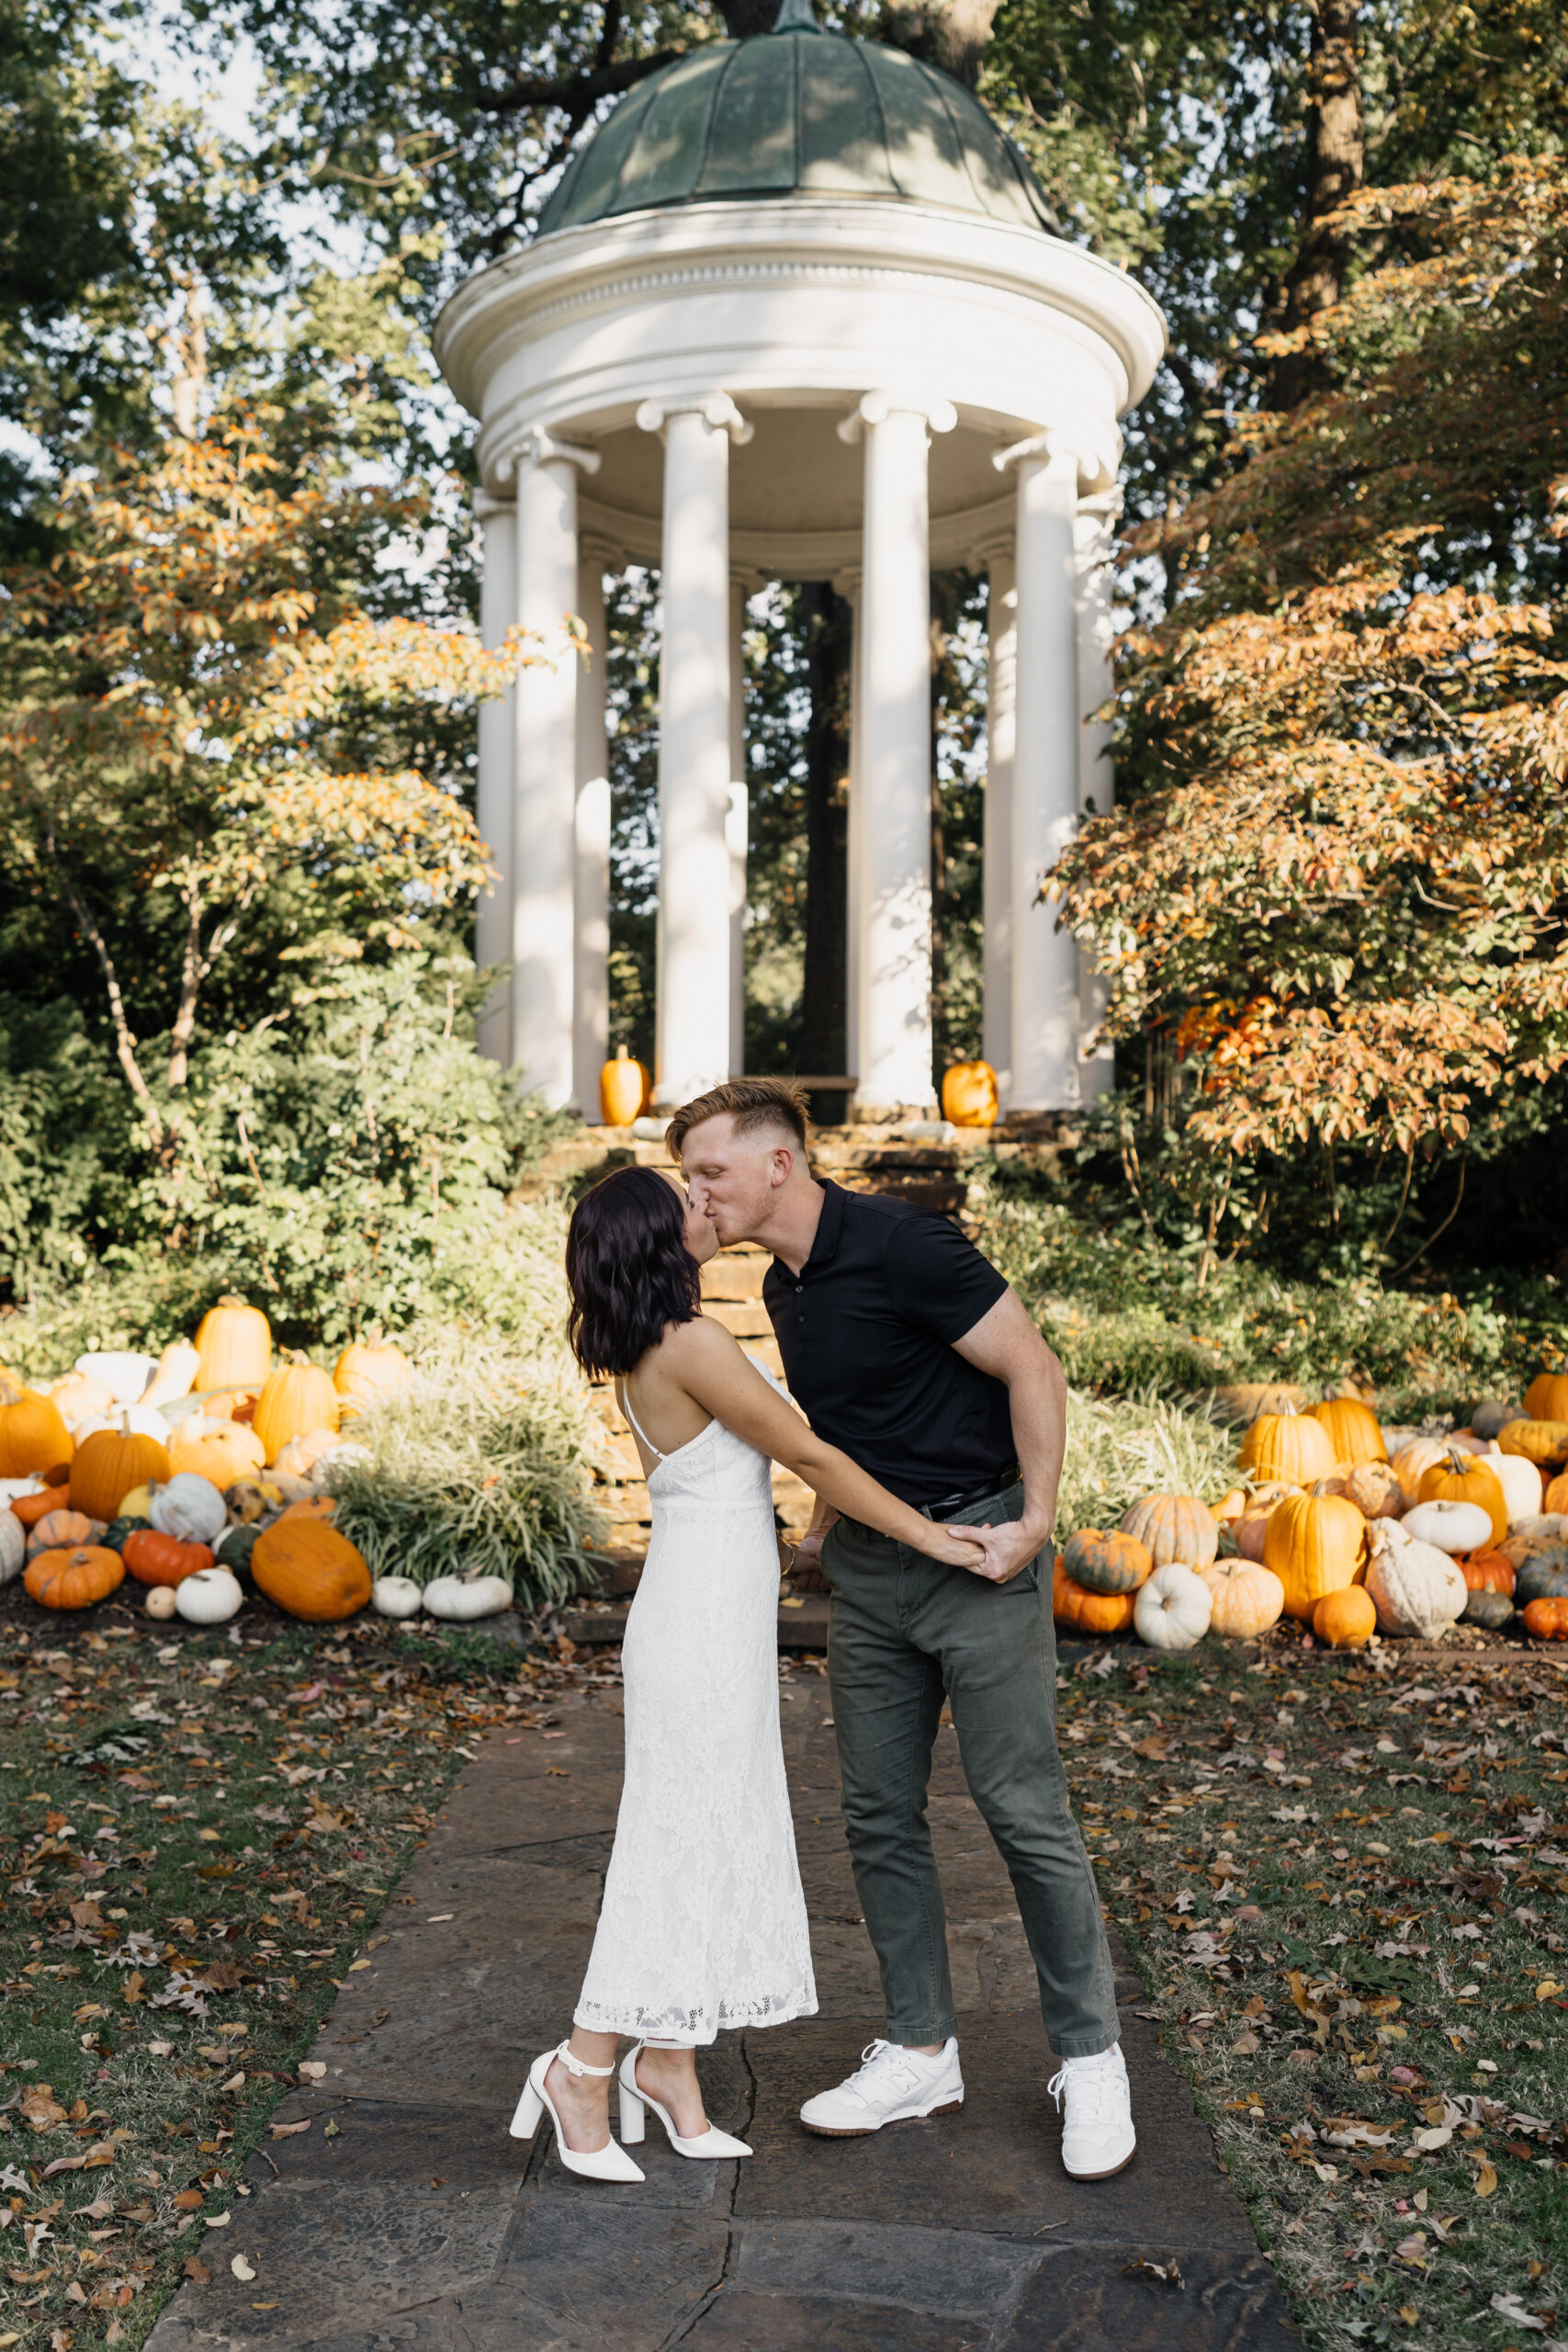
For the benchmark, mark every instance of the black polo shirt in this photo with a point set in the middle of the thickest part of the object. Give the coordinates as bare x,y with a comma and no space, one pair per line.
866,1331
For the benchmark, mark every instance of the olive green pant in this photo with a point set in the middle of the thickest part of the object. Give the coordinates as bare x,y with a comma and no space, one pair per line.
904,1630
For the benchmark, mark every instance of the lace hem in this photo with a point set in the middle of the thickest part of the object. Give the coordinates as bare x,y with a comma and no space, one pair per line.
694,2028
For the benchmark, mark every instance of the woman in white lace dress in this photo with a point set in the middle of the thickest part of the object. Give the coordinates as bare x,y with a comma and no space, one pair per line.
703,1926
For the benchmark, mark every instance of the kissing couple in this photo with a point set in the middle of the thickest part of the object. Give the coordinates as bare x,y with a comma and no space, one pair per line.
935,1447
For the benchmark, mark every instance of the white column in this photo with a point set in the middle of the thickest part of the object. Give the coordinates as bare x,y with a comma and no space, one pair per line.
544,817
1045,777
848,585
591,991
1094,540
497,727
1002,689
694,748
894,1039
737,826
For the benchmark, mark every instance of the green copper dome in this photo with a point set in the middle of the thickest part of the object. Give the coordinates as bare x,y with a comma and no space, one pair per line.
798,112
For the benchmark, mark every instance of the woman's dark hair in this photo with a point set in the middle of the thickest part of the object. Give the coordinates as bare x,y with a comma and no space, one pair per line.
628,1270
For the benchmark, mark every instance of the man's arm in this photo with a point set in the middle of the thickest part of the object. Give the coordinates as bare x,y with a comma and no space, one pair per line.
1006,1344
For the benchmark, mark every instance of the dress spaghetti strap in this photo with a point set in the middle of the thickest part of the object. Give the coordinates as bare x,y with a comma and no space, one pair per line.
627,1403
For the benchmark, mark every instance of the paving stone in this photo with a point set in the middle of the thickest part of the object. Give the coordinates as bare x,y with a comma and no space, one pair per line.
1083,2301
602,2274
737,2322
397,2145
934,2271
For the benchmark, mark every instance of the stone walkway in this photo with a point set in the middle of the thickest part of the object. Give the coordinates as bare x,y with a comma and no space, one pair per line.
419,2226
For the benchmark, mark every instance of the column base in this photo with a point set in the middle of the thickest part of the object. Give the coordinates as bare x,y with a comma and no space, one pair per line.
1041,1126
893,1114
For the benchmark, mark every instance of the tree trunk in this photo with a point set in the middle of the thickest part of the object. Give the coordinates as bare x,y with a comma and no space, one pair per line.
1335,166
949,33
821,1049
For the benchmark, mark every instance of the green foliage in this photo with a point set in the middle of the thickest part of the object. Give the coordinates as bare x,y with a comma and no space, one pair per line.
1121,1448
481,1467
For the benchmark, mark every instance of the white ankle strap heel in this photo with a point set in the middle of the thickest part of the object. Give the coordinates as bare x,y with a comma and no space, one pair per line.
611,2163
710,2145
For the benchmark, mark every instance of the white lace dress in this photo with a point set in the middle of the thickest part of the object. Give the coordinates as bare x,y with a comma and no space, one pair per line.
702,1925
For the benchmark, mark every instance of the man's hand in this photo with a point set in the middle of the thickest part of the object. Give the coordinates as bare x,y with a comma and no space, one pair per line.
1003,1552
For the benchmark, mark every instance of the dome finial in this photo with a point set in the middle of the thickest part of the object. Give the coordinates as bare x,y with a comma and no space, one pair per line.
795,16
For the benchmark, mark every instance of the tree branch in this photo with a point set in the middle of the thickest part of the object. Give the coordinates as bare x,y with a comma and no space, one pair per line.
580,92
125,1043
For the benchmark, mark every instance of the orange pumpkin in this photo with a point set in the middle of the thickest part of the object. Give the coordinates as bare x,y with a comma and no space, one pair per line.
307,1507
1088,1612
623,1084
1546,1398
110,1463
298,1397
969,1097
30,1509
1543,1442
223,1453
1346,1619
1314,1546
1464,1479
1556,1496
233,1345
61,1530
369,1369
1411,1464
1547,1621
1287,1446
74,1578
308,1569
1246,1599
1487,1572
154,1558
1353,1430
1174,1528
303,1455
1374,1488
34,1440
1106,1563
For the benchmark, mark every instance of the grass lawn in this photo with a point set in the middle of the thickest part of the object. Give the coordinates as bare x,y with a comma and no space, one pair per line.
200,1831
1344,1883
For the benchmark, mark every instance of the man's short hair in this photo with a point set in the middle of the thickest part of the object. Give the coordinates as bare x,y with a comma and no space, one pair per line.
751,1102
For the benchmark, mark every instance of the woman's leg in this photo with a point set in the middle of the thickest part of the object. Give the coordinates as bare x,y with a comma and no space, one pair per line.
669,2074
583,2101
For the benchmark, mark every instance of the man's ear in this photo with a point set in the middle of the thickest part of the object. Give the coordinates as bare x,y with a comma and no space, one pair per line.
783,1165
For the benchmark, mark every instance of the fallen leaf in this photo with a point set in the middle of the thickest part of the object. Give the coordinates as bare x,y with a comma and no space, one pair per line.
1167,2274
312,2069
1486,2181
196,2271
1437,2136
289,2130
218,2220
1509,2307
241,2269
39,2107
1548,1989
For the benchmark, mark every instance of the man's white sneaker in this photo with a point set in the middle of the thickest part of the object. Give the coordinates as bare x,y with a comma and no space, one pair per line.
1098,2138
890,2084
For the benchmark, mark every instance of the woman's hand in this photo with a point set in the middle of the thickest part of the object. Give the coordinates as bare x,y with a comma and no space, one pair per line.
955,1547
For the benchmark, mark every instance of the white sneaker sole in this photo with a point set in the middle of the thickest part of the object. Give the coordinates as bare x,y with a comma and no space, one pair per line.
1109,2171
865,2130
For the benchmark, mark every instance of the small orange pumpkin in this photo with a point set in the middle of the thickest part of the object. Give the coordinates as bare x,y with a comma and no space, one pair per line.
1246,1598
1462,1477
622,1085
1174,1528
1102,1562
34,1440
1346,1619
1354,1431
156,1558
308,1569
1411,1464
370,1369
969,1097
1556,1496
298,1397
73,1577
1547,1621
1290,1447
1088,1612
109,1464
1374,1488
30,1509
223,1453
303,1455
61,1529
1487,1572
307,1507
1546,1398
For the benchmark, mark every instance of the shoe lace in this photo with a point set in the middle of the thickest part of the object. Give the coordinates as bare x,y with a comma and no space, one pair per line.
878,2059
1089,2089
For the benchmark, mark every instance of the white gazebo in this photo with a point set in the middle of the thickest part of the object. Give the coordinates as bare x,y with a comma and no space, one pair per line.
796,311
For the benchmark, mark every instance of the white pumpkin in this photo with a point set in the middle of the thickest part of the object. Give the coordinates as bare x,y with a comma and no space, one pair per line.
123,1373
1542,1523
459,1598
1520,1482
1245,1598
209,1596
13,1489
190,1506
1415,1588
1450,1526
143,1420
79,1398
159,1602
13,1545
1172,1608
396,1597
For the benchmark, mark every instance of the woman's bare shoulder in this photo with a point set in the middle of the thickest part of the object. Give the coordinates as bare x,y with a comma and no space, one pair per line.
699,1344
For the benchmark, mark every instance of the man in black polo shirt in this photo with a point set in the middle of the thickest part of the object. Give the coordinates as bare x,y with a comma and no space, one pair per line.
906,1348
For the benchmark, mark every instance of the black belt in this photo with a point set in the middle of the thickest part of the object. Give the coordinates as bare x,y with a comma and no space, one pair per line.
992,1489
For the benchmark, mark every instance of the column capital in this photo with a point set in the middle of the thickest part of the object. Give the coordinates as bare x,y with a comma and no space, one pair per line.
488,508
1053,449
848,582
1001,548
539,447
717,409
593,548
876,408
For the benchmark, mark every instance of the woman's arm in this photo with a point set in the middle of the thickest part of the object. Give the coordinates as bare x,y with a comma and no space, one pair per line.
710,1365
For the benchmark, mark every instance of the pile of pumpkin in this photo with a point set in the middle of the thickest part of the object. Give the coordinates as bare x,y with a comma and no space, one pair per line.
200,1475
1330,1529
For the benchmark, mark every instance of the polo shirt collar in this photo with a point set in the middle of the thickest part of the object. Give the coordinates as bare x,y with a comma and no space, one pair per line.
830,1229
